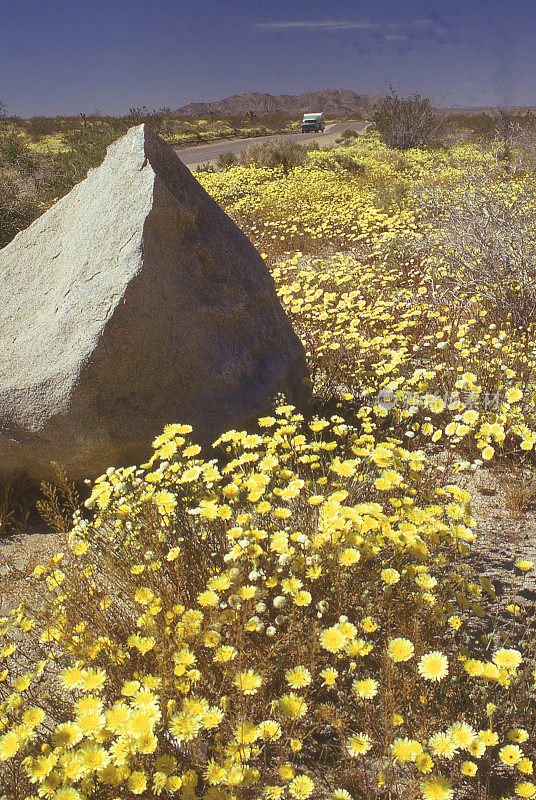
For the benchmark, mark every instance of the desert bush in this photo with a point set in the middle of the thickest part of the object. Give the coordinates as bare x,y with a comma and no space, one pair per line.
15,153
487,126
226,160
274,120
405,123
481,241
515,141
249,132
37,127
288,619
341,162
16,211
157,119
519,488
18,498
283,153
236,121
30,181
482,125
20,202
349,164
205,167
86,149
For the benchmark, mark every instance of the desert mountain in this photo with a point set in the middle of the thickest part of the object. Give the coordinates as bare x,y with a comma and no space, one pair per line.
335,102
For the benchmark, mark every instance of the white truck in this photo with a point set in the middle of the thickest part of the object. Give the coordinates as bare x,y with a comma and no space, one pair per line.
312,122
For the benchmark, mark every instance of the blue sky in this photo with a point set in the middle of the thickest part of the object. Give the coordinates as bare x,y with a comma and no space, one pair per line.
68,56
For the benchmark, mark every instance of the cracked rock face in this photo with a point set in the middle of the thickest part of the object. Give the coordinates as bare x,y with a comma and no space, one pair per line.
132,303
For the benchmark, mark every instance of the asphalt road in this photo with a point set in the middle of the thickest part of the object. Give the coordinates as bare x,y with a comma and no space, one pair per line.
192,156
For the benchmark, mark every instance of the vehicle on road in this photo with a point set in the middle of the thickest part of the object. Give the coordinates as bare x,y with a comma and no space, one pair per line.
312,122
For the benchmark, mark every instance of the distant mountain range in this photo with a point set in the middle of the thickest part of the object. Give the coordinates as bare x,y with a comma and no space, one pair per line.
333,102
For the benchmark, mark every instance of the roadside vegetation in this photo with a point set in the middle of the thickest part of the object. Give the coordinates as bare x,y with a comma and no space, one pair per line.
407,122
296,615
284,154
42,158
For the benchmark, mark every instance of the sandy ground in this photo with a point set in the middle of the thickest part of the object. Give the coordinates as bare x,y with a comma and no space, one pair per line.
504,533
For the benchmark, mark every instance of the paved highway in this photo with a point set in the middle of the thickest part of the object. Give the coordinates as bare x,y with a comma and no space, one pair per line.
192,156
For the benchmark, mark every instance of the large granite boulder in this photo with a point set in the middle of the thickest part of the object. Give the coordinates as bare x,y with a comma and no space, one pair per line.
131,303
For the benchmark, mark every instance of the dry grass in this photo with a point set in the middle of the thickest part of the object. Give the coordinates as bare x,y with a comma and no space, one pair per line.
18,498
520,490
